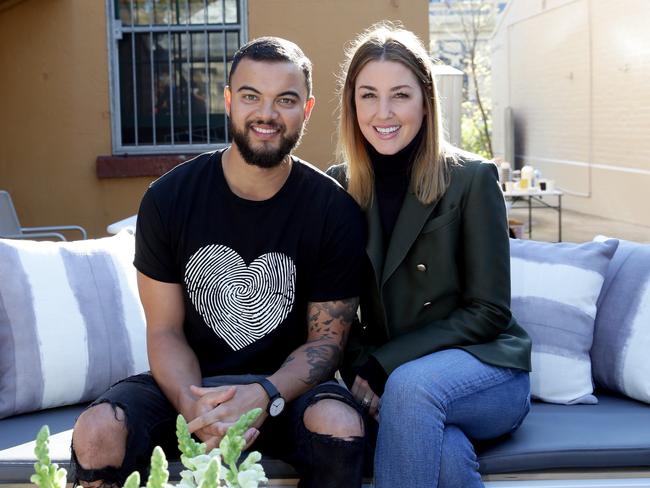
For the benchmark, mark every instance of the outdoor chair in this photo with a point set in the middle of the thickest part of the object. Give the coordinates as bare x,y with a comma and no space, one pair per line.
10,227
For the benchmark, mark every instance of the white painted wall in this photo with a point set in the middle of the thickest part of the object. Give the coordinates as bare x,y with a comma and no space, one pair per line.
576,74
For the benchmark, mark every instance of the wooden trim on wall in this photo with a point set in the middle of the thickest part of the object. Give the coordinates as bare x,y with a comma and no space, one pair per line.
133,166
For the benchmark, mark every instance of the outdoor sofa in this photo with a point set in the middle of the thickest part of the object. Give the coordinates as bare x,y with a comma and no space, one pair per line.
71,324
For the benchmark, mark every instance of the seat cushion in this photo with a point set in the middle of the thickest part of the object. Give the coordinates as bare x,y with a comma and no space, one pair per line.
17,435
614,433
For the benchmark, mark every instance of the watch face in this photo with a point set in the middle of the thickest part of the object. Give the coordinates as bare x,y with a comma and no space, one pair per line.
276,407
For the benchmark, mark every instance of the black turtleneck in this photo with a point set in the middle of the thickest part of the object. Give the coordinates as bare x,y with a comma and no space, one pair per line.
392,179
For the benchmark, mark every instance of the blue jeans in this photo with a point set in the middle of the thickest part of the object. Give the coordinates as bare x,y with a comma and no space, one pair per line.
433,407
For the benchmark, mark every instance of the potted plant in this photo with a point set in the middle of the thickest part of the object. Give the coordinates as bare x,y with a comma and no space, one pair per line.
217,468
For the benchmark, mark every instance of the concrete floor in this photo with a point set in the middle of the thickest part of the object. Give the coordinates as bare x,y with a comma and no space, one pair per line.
577,227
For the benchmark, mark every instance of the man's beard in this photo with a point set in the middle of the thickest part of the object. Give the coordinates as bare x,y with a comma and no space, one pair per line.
263,157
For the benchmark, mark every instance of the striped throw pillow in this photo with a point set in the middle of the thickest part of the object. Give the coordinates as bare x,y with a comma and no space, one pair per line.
555,289
71,323
622,331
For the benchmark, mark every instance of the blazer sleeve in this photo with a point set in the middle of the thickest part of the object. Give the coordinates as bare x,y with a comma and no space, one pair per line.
485,262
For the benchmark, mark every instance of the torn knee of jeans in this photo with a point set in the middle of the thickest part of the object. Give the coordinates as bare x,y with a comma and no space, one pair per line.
114,406
331,440
109,475
334,396
345,401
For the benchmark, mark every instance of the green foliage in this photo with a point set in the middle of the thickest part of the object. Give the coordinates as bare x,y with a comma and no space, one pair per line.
253,458
189,447
204,469
475,19
46,474
133,481
233,443
158,474
472,131
211,476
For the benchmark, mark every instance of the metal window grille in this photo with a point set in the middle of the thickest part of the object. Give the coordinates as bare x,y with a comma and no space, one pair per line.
169,61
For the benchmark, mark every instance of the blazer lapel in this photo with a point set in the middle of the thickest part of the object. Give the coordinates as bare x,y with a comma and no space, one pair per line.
375,244
410,221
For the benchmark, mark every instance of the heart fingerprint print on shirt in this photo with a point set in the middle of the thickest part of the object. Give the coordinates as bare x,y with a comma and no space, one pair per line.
240,303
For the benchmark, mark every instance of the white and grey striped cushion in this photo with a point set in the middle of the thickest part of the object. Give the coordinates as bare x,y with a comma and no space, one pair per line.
622,329
71,323
555,288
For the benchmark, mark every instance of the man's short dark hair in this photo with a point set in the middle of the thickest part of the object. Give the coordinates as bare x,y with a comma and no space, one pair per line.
273,49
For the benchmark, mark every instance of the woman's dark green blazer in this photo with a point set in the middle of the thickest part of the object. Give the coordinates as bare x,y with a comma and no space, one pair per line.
443,280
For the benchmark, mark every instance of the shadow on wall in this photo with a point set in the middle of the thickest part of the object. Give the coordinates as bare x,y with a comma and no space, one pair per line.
519,126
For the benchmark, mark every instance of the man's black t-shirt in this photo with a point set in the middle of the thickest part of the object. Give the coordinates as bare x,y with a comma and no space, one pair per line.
249,268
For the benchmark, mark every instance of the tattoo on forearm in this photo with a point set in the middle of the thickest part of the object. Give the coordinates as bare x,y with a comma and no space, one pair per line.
316,324
341,309
323,360
323,324
329,323
288,360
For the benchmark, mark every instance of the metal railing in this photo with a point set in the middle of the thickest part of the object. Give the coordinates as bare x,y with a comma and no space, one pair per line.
169,61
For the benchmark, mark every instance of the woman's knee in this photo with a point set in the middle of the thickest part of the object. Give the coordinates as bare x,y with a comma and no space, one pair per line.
99,437
405,386
333,418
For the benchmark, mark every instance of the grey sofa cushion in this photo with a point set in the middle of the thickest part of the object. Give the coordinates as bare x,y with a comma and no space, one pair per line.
17,436
614,433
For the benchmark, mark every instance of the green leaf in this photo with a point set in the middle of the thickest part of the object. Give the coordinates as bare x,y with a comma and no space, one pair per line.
231,447
158,474
133,481
244,422
46,474
42,449
189,447
211,476
233,442
251,478
253,458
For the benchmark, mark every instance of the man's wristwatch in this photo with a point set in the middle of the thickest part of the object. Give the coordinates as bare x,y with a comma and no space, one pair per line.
276,402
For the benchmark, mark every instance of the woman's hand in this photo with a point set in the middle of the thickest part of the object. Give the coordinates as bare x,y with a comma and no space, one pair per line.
367,398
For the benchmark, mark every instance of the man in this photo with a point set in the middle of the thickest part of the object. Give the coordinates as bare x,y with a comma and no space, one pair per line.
248,271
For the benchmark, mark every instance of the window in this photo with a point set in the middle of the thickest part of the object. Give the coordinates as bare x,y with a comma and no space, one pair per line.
169,64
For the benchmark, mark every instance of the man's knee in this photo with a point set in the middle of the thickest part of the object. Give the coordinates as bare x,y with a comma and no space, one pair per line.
99,437
335,418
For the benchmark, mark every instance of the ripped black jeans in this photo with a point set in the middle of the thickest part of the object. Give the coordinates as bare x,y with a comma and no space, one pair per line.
321,461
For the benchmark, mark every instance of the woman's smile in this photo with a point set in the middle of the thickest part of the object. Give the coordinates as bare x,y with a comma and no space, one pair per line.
389,105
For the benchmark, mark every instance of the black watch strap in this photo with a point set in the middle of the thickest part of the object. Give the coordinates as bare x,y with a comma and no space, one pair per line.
276,402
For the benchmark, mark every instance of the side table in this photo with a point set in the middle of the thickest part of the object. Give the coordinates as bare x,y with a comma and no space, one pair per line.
534,198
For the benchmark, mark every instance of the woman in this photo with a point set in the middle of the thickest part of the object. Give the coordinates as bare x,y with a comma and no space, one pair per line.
439,360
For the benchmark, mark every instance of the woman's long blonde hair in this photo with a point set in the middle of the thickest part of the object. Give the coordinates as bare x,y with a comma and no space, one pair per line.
430,174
